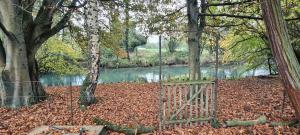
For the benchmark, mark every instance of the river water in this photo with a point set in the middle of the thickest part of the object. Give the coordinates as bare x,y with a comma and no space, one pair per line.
148,74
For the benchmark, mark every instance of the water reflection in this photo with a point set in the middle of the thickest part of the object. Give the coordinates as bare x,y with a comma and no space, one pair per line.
148,74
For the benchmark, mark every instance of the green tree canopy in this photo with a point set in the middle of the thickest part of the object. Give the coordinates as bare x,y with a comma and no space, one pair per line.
59,57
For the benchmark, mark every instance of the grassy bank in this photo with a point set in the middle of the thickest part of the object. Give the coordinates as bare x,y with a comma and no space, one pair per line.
146,57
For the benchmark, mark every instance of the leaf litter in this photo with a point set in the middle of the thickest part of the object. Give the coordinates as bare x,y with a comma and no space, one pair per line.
132,104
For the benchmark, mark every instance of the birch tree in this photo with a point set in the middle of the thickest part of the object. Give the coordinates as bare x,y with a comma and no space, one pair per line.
87,96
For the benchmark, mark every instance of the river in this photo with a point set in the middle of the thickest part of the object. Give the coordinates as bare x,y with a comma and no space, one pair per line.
148,74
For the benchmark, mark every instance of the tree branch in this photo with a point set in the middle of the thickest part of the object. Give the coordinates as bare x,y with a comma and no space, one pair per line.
46,11
240,41
76,6
5,31
59,26
62,23
226,25
176,11
165,18
293,19
49,31
233,16
242,16
2,55
230,3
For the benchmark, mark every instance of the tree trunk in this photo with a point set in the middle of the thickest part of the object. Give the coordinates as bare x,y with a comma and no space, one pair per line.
195,30
16,88
193,39
127,28
288,65
37,87
22,35
2,65
87,96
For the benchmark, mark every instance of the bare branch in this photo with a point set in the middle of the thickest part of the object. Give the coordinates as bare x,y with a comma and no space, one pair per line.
240,41
5,31
293,19
10,35
230,3
76,6
24,9
176,11
233,16
226,25
59,26
164,17
50,31
2,54
242,16
29,4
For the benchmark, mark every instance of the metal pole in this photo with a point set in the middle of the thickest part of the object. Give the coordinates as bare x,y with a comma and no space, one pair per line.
160,84
160,61
71,106
216,75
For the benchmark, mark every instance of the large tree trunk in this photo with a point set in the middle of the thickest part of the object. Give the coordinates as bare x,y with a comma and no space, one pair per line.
22,35
288,65
87,96
2,65
37,87
193,39
16,89
195,29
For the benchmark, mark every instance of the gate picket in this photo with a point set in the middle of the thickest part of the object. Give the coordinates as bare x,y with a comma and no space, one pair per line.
190,103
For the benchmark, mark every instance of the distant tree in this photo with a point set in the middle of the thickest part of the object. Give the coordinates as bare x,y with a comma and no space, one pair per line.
59,57
135,39
172,44
112,39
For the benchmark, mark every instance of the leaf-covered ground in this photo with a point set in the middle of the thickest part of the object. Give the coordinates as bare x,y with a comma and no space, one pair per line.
137,104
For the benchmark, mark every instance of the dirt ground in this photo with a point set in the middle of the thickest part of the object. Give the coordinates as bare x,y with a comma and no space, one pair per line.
137,104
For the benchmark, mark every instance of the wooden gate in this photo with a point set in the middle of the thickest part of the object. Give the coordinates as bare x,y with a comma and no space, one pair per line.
186,103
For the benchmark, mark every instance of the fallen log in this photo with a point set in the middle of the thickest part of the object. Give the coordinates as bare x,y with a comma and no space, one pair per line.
287,123
123,129
261,120
232,123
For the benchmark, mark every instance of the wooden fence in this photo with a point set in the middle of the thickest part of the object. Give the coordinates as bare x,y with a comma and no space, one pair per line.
186,103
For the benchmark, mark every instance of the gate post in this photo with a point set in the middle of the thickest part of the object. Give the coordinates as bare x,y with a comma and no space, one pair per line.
161,91
216,77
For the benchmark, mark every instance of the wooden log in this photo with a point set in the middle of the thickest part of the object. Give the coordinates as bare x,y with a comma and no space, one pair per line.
232,123
123,129
261,120
286,123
